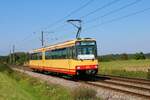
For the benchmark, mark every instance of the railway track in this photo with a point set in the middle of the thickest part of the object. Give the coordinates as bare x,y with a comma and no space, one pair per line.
125,85
126,79
119,90
131,86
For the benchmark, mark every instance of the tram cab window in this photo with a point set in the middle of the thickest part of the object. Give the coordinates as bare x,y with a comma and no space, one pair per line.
86,50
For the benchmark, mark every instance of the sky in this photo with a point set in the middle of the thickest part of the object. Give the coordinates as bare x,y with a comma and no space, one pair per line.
118,27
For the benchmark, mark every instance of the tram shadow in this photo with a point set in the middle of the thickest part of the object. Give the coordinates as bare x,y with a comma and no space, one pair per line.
93,78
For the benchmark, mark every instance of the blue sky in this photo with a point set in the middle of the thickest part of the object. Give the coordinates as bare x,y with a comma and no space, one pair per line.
21,22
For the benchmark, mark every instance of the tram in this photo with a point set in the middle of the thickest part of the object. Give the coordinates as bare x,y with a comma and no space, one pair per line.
74,57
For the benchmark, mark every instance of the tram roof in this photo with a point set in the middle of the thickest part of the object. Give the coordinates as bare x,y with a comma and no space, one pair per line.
61,44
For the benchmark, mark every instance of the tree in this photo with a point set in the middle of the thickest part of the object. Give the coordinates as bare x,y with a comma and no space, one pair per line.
124,56
20,58
139,56
4,59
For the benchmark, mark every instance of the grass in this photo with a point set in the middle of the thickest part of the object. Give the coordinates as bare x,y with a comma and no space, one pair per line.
127,68
17,86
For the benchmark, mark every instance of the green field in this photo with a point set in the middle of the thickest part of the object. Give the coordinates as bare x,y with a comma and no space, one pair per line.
126,68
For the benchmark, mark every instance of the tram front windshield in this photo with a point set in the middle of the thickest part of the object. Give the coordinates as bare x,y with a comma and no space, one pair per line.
86,50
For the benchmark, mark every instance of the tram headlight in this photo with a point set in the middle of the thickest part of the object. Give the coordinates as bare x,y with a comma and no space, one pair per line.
78,67
96,66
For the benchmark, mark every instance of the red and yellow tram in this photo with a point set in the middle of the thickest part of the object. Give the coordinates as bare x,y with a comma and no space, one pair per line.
73,57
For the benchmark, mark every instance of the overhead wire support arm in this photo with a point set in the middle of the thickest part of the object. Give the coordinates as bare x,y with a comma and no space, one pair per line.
42,37
78,26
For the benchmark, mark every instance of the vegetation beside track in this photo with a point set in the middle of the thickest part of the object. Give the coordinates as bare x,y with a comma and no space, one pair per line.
17,86
126,68
84,93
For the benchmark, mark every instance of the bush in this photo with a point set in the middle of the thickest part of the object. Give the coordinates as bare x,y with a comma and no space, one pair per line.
139,56
148,74
124,56
84,93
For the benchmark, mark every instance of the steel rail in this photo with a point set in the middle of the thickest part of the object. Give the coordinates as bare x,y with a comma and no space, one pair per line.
126,85
119,90
132,80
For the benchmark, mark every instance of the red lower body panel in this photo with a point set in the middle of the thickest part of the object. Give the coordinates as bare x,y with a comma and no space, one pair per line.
52,69
86,67
65,70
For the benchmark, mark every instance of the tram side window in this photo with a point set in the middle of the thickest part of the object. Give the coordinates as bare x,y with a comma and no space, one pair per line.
59,54
63,53
56,54
36,56
48,55
40,56
71,52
